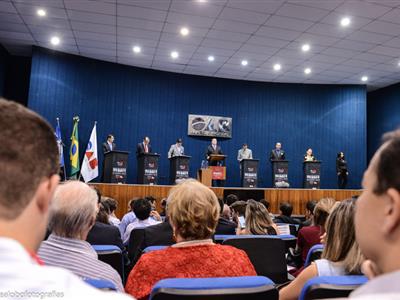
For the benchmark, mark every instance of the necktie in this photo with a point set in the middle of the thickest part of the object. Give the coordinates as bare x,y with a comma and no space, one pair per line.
146,150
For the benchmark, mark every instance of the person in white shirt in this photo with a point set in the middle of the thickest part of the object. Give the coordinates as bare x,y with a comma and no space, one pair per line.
145,217
28,178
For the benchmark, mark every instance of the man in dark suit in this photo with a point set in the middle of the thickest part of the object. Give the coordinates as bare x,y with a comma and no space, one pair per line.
158,235
104,234
277,153
143,147
214,148
224,226
109,145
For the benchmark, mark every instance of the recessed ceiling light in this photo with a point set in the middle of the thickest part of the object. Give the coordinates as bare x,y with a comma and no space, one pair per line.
184,31
41,12
202,1
305,47
307,70
55,40
345,21
174,54
244,62
277,67
137,49
211,58
364,78
398,64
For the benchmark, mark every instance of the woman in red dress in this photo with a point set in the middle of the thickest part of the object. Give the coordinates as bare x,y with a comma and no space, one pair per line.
193,212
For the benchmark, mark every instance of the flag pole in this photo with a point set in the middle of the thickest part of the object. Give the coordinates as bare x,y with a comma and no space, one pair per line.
83,159
62,145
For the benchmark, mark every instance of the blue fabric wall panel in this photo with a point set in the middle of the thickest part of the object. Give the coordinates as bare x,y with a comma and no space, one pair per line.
133,102
383,111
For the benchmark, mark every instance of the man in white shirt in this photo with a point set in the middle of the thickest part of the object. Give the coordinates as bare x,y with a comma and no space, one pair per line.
145,217
28,178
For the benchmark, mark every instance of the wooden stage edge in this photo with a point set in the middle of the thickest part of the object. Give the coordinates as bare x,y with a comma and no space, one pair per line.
297,197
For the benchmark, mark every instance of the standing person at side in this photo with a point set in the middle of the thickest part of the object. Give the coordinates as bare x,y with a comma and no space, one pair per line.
176,149
341,170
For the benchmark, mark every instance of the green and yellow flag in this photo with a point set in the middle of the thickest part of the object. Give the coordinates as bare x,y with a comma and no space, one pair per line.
74,150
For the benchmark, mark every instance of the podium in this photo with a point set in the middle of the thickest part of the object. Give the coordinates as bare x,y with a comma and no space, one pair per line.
280,173
312,174
249,172
115,166
147,170
178,168
204,176
218,170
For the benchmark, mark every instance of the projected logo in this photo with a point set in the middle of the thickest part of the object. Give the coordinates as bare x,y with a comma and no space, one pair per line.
213,126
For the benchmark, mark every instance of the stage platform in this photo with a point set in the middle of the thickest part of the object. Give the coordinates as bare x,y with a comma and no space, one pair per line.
297,197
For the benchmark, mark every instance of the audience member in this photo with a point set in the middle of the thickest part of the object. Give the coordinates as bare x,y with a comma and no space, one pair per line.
72,214
128,218
309,236
163,207
377,222
258,220
341,255
29,167
286,214
267,205
310,205
238,209
224,226
143,211
226,212
230,199
112,204
193,211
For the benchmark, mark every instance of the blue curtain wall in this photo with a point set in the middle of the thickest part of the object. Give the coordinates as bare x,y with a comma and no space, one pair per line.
132,102
383,113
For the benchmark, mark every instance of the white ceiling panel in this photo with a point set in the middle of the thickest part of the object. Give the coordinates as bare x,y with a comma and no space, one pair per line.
262,32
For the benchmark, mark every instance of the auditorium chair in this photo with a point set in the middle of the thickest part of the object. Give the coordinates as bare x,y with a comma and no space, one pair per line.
153,248
324,287
101,284
111,255
223,288
267,254
313,254
135,241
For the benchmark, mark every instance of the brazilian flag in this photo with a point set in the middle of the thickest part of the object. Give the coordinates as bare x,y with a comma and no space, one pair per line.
74,150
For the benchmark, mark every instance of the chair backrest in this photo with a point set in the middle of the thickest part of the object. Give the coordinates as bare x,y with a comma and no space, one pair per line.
224,288
267,254
153,248
100,284
331,286
313,254
135,241
112,255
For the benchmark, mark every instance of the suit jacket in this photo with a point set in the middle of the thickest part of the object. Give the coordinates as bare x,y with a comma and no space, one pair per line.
158,235
104,234
341,165
286,220
210,150
106,147
140,149
274,155
225,227
175,151
244,155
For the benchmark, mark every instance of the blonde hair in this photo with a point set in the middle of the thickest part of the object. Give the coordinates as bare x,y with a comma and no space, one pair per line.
258,220
322,210
193,210
341,246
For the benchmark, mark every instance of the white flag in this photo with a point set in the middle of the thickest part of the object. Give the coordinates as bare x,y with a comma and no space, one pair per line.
90,165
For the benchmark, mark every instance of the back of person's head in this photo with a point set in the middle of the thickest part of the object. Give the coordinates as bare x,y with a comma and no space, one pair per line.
266,203
286,209
221,205
111,203
142,208
28,172
231,198
257,218
131,202
103,214
239,207
310,205
322,210
340,243
193,210
73,210
104,202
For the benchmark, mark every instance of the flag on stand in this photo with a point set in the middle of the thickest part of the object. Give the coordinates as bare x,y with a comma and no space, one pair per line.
60,144
74,150
90,164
